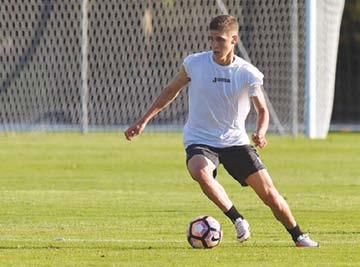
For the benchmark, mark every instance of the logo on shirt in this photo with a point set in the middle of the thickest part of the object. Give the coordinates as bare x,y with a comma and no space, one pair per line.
224,80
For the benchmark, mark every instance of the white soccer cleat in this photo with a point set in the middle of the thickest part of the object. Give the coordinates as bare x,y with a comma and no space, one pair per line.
242,229
305,241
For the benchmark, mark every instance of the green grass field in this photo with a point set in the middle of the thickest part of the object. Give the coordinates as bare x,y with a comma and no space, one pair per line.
98,200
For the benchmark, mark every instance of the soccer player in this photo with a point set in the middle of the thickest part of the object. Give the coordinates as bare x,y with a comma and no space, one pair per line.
221,87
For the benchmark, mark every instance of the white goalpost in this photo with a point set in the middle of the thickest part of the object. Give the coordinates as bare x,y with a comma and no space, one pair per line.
323,20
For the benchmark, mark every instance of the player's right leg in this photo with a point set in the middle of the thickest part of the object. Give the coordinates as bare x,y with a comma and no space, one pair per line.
201,170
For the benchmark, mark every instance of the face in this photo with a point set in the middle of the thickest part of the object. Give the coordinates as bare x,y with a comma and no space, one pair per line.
222,43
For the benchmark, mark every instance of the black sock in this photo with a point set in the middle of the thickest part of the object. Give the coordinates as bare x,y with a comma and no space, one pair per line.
233,214
295,232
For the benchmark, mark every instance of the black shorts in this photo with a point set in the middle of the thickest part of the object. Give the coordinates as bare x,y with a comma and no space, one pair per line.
238,161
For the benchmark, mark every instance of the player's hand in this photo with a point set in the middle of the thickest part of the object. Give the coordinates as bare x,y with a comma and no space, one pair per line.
259,140
134,130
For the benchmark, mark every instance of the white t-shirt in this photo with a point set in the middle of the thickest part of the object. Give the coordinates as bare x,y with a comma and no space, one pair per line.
219,100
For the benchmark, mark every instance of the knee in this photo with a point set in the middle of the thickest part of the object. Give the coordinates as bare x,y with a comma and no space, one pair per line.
200,169
200,175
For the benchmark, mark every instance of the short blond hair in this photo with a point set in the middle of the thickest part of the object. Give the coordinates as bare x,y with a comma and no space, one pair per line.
224,23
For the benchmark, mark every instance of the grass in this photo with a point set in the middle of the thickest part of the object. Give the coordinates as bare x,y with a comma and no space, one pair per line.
97,200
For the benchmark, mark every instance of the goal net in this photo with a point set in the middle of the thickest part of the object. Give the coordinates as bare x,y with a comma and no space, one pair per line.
70,65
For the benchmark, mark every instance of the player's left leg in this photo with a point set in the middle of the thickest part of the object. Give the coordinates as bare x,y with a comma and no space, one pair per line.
262,184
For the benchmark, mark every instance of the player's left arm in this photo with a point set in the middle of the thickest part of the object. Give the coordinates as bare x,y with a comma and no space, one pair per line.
262,123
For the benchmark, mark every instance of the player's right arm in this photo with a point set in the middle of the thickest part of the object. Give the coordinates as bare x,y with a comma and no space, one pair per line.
168,94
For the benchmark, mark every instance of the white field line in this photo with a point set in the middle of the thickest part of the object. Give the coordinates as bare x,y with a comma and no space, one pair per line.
159,241
76,240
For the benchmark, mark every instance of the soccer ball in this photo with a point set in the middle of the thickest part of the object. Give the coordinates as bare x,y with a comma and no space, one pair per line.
204,232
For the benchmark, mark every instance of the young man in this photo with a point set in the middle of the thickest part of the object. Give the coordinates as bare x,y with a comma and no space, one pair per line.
221,86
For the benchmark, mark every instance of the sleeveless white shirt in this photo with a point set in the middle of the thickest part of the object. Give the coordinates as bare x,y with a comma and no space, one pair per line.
219,100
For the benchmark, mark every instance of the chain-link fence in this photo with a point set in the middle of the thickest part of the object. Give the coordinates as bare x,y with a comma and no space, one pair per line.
134,48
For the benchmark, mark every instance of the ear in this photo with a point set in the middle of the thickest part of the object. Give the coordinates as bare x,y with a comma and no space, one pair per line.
235,39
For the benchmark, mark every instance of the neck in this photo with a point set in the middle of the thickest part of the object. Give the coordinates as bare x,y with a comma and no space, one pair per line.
226,59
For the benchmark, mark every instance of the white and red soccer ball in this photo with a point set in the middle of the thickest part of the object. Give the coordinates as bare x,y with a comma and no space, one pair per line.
204,232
